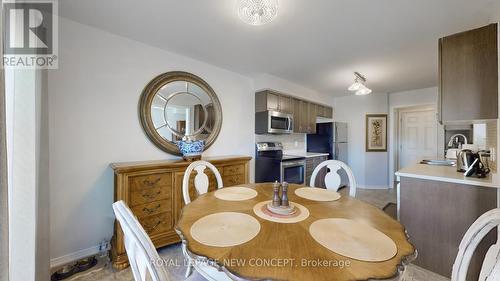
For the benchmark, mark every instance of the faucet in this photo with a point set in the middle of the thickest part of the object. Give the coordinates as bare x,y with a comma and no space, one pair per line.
454,139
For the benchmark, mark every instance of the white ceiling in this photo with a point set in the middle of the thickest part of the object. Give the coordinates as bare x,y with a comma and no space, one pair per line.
316,43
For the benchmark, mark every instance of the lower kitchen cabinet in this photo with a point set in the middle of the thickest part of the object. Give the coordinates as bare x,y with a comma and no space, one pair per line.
437,214
311,164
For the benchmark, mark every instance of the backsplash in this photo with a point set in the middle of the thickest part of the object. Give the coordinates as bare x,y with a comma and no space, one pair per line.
491,143
291,143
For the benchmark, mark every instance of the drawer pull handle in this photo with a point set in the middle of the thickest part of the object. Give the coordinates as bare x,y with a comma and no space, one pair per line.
152,210
151,183
150,228
150,195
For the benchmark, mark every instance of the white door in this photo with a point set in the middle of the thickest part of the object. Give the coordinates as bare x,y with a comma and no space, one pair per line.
417,138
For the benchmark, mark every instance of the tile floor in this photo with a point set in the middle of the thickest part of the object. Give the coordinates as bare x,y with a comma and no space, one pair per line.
379,198
105,272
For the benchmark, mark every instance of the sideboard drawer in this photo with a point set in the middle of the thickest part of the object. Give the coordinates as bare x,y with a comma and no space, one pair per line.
152,208
157,224
137,183
234,170
234,180
150,195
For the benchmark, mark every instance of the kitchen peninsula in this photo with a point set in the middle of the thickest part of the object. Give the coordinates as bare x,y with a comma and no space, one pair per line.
439,202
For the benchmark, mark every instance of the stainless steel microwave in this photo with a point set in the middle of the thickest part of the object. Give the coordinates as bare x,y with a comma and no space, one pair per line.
273,122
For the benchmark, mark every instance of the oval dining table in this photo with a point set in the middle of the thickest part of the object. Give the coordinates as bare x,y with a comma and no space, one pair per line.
264,257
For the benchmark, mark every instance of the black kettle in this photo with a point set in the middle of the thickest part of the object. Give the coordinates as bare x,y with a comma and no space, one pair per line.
465,158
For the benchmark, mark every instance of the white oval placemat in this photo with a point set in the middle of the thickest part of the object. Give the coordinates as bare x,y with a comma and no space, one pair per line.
353,239
225,229
303,213
235,193
317,194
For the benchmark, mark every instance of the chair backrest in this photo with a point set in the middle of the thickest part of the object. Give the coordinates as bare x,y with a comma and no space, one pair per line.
141,252
200,180
490,269
332,178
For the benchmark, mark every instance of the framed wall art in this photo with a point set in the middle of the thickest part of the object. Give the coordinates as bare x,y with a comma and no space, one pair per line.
376,132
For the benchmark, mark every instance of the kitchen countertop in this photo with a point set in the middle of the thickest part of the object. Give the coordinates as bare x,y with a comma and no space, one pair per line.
447,174
307,154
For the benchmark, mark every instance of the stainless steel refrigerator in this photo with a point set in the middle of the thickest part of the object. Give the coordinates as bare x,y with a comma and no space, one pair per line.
339,141
331,138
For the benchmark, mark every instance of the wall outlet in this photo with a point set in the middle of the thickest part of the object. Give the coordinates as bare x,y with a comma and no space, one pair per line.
104,247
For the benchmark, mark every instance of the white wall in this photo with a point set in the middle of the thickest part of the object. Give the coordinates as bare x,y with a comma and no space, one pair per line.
426,96
264,81
93,99
370,168
93,121
23,99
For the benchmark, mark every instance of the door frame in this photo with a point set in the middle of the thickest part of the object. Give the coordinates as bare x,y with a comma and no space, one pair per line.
398,130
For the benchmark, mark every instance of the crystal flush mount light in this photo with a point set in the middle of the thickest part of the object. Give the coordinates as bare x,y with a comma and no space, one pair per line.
258,12
359,85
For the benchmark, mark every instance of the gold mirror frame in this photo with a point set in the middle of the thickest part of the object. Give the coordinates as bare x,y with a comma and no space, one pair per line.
149,93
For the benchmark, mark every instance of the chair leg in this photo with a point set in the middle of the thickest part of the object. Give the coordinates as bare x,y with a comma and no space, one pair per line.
189,269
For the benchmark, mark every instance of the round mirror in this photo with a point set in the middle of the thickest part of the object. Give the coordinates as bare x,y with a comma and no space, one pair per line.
177,104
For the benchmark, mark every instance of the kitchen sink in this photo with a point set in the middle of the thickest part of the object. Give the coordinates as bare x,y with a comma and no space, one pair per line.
439,162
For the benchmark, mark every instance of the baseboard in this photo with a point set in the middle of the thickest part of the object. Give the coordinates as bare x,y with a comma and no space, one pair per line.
373,187
56,262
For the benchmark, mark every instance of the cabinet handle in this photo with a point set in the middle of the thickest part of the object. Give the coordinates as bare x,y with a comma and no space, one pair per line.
152,210
148,195
150,228
151,183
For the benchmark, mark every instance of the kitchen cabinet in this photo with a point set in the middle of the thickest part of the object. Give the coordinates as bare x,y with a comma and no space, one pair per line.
324,111
328,112
270,100
300,116
304,112
468,75
311,119
311,164
437,214
304,117
286,104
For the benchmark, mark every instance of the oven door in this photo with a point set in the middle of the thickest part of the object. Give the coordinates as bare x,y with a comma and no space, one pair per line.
279,123
294,172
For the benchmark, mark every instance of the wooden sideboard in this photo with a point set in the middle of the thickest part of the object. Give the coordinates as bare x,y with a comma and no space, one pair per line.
153,191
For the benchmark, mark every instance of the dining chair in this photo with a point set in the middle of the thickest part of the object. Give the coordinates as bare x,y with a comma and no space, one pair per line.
332,178
142,255
201,184
200,180
490,269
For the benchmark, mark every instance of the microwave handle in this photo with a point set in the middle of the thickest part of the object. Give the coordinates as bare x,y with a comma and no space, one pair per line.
289,123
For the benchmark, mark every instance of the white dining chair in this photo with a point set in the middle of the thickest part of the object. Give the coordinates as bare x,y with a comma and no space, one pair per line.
142,255
201,184
490,270
332,178
200,180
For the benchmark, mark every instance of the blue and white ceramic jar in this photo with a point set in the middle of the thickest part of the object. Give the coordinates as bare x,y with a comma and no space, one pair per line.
190,149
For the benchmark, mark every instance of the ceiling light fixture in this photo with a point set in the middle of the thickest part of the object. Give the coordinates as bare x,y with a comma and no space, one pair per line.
359,85
258,12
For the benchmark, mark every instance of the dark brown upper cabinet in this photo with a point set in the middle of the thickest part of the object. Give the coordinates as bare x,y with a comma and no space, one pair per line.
324,111
269,100
468,75
311,119
304,112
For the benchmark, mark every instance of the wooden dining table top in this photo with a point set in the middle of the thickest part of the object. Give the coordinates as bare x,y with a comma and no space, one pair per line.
288,251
